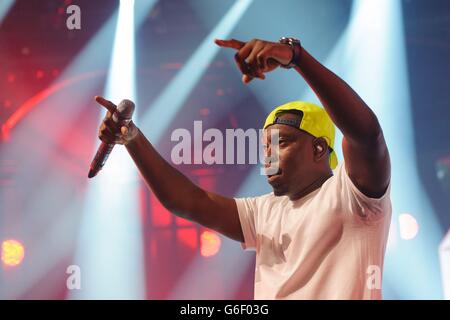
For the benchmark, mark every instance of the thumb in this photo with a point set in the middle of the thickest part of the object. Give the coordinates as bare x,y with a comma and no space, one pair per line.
124,130
246,78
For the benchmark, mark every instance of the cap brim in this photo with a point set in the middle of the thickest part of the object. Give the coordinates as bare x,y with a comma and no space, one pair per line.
333,160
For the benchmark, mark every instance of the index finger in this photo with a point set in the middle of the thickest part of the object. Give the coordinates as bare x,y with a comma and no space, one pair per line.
106,103
232,43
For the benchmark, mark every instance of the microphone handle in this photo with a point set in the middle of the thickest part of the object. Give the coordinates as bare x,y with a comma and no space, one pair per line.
100,158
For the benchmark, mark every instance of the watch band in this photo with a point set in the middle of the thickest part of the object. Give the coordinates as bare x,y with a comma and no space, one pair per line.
296,51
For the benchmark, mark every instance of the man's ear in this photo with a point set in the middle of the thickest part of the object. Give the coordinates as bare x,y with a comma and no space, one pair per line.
320,148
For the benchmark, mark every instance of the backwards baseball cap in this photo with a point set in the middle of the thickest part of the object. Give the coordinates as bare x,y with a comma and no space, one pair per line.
315,121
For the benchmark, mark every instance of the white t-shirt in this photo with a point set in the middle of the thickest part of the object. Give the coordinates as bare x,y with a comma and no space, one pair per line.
329,244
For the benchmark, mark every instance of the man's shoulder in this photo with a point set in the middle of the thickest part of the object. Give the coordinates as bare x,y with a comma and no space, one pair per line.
349,197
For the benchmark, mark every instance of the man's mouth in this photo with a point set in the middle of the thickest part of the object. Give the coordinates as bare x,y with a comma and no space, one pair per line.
278,173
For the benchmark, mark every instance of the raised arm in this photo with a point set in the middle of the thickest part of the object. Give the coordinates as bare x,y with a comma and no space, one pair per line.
365,152
364,148
175,191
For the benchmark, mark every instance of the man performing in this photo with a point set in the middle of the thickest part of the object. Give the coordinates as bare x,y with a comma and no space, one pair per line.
320,234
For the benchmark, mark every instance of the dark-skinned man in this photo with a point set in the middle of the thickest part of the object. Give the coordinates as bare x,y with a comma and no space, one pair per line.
321,233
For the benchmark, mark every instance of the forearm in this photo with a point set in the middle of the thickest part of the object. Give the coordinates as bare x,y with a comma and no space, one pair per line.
347,110
165,181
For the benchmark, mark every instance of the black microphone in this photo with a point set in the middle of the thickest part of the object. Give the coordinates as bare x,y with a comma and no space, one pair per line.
123,113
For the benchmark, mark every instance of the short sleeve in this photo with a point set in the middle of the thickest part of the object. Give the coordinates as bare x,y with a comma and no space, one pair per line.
367,208
247,216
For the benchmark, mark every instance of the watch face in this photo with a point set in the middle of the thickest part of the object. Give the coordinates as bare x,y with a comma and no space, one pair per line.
290,41
295,45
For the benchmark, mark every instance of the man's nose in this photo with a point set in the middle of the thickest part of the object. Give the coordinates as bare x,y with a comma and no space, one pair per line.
267,150
267,163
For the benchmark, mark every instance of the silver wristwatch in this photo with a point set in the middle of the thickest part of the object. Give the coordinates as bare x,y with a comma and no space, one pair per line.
296,51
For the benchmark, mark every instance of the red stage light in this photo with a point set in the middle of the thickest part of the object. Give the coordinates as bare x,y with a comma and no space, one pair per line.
25,51
209,244
172,66
204,111
188,237
39,74
13,253
11,78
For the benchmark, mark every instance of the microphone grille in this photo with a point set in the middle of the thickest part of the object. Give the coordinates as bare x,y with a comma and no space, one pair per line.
125,109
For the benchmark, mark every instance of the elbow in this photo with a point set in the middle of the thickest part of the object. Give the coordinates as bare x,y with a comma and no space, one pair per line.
371,133
170,205
182,209
173,207
177,210
370,137
373,129
367,136
374,134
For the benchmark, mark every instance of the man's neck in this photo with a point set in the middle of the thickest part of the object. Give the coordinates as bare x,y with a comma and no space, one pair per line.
311,187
